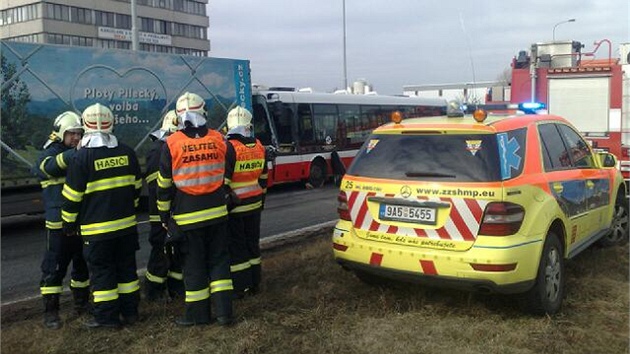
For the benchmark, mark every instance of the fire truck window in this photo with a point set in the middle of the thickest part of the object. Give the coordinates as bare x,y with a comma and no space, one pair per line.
580,153
552,145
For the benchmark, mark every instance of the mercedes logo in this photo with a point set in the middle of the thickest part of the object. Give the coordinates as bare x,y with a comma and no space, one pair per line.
405,191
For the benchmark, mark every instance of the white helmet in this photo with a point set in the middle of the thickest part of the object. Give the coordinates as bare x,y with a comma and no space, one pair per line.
190,108
238,117
190,102
66,121
98,118
170,122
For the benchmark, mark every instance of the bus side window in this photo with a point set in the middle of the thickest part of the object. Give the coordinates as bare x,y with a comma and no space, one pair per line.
326,117
305,123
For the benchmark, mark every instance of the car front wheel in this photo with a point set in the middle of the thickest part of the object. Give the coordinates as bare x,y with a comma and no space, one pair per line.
547,294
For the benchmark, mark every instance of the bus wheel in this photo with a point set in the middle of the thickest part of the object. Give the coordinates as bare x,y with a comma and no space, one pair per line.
317,174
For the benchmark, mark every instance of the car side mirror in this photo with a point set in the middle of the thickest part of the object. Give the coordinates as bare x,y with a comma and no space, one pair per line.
607,159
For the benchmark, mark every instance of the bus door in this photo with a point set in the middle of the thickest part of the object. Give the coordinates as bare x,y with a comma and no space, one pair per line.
287,164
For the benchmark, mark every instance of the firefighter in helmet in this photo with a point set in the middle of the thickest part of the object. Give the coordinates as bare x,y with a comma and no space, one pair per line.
61,249
102,192
192,206
163,268
249,183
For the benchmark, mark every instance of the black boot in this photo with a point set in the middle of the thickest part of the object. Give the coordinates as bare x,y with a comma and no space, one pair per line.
81,300
175,289
51,311
153,291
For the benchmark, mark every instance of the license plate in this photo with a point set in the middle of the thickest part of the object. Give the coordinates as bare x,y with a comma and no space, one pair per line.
406,213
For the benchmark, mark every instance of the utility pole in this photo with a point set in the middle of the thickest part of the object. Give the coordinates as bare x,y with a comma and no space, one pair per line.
134,26
345,66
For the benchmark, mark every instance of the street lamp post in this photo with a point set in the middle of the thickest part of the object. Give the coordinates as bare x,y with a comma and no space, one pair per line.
345,68
558,24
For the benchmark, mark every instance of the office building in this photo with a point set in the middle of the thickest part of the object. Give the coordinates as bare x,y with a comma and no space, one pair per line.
168,26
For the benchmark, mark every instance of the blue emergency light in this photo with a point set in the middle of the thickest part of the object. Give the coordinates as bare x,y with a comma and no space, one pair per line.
531,107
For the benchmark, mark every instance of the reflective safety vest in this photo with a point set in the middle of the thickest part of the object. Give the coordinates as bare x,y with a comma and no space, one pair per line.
250,163
198,164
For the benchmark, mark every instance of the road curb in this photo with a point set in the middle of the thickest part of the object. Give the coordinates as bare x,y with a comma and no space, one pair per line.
295,236
267,244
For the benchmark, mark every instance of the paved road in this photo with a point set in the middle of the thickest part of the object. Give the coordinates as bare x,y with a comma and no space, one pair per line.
287,208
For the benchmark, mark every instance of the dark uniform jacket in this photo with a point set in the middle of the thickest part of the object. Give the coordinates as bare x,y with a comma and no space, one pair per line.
102,192
192,211
153,167
51,169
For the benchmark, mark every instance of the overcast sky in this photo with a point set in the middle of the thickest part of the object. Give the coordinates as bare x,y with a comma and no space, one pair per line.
392,43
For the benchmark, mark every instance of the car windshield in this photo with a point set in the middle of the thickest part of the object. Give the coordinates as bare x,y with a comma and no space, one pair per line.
445,158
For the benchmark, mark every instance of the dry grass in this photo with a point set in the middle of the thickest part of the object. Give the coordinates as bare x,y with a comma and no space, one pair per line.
311,305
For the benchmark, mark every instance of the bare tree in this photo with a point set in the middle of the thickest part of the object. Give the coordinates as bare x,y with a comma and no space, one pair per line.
505,77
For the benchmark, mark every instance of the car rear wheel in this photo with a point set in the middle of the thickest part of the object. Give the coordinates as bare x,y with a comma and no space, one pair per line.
618,234
546,295
317,174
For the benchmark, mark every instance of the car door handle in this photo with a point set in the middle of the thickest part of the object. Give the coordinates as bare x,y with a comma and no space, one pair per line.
590,184
558,187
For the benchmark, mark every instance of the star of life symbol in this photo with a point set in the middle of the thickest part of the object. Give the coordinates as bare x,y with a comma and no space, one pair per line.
405,191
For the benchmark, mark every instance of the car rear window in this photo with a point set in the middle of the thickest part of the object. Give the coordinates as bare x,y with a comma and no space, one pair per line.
436,157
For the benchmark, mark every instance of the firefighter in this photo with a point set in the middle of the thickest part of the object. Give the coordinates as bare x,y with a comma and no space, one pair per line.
101,194
163,269
51,169
192,204
249,183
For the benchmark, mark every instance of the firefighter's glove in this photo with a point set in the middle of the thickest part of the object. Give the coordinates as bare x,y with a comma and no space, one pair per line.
232,200
70,229
174,233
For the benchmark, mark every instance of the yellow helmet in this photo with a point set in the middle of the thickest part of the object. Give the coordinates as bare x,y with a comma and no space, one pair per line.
98,118
190,102
238,117
170,122
65,121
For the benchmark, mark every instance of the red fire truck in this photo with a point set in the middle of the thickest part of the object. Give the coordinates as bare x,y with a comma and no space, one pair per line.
590,88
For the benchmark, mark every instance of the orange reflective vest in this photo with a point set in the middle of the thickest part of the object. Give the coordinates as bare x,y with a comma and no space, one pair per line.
198,165
250,163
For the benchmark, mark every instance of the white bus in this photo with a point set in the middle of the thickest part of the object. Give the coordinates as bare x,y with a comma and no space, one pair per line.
304,128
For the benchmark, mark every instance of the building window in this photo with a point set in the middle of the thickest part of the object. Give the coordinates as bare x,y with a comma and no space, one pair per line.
30,38
146,24
80,15
105,19
123,21
162,27
58,12
19,14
